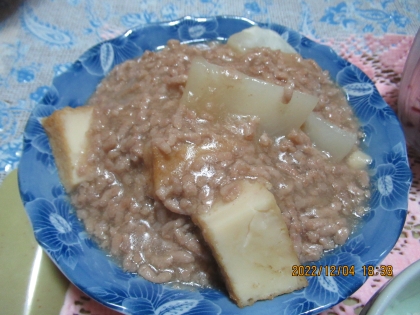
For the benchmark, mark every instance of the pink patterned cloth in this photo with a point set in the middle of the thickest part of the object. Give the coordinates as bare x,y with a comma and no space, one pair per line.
382,59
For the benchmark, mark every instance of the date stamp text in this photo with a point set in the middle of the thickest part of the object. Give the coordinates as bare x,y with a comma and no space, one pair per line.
341,270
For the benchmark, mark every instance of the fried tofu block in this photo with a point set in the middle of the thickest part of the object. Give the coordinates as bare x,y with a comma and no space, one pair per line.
250,241
66,130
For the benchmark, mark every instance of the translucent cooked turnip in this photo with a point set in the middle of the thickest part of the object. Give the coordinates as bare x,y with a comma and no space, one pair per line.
359,160
328,137
221,91
255,36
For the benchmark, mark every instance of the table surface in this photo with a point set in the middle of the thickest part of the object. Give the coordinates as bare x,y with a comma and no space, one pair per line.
39,39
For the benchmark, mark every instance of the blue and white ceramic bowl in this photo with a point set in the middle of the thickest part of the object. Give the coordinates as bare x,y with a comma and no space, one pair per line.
63,236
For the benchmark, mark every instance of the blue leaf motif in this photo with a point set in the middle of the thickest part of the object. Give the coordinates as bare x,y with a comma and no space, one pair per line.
328,283
286,36
112,295
172,295
46,160
400,214
58,191
299,306
87,241
49,34
42,110
51,97
364,98
386,115
351,75
106,57
176,307
211,294
33,128
27,145
69,255
42,144
356,245
149,298
204,307
397,155
359,89
139,306
142,289
27,197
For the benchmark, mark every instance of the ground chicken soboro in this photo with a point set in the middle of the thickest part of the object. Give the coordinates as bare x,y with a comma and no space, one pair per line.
137,108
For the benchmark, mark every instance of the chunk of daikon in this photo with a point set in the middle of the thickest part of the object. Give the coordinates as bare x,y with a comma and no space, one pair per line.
328,137
359,160
259,37
220,91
